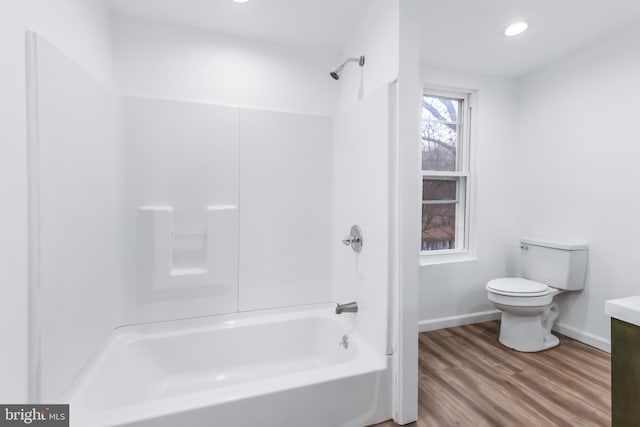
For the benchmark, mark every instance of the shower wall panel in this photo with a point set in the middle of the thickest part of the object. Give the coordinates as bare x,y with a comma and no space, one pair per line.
261,178
361,158
76,199
285,209
181,209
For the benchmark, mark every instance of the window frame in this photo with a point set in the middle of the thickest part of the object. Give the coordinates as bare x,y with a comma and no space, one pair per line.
463,175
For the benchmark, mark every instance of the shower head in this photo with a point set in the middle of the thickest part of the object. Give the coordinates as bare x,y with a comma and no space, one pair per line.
337,72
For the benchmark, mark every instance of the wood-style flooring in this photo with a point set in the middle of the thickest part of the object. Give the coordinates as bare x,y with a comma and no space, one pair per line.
468,379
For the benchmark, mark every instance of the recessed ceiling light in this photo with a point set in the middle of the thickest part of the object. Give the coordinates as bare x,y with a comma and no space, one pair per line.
240,1
516,28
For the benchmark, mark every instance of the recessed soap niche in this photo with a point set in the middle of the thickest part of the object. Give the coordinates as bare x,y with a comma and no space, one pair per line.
172,256
189,252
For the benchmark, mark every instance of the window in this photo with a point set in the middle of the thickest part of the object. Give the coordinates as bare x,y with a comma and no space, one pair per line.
445,172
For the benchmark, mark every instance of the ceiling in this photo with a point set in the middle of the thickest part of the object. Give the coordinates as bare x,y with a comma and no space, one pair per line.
459,34
467,34
310,24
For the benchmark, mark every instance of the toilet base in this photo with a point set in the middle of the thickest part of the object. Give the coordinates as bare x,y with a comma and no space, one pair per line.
526,333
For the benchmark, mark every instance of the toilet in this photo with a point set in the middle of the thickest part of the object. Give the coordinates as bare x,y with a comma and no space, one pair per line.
549,268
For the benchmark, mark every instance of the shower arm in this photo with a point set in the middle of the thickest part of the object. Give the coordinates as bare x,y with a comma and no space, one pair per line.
360,61
337,72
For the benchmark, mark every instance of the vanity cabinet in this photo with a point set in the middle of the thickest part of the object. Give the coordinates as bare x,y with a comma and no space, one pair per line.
625,361
625,374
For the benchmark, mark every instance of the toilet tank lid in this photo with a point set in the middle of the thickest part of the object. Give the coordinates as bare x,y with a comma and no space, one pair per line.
567,246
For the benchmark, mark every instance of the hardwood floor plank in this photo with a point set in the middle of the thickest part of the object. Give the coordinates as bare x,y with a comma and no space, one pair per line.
467,378
471,357
450,407
557,396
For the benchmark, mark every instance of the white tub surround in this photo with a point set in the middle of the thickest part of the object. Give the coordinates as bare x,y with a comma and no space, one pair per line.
222,214
235,370
196,244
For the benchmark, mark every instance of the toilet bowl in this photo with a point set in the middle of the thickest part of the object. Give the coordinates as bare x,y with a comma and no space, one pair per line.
528,313
527,304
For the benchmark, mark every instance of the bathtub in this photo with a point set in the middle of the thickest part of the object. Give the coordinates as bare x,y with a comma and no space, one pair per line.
286,367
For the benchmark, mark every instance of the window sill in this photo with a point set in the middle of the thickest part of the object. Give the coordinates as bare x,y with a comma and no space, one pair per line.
447,258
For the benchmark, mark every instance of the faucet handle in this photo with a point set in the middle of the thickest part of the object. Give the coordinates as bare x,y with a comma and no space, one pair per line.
348,240
354,239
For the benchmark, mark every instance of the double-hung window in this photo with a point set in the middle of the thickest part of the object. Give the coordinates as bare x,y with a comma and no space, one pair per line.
445,172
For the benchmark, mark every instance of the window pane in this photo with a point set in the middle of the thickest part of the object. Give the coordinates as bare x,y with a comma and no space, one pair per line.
438,227
440,109
439,136
439,189
439,153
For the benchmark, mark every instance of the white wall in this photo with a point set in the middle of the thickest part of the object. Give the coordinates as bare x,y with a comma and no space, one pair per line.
572,150
578,148
61,22
405,216
377,38
458,289
159,60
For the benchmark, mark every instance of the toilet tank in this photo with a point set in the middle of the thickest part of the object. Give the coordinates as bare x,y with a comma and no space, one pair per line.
560,265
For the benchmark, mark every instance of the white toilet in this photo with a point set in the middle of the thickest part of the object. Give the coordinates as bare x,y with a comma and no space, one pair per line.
528,311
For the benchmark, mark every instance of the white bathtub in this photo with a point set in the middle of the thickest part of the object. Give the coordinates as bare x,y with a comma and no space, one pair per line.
282,368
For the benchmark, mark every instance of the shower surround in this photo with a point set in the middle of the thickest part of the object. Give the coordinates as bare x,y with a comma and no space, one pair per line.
220,233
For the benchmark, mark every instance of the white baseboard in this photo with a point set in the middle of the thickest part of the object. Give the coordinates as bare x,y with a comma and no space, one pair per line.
583,337
459,320
486,316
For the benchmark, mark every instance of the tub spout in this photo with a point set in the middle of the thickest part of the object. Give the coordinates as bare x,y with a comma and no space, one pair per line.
351,307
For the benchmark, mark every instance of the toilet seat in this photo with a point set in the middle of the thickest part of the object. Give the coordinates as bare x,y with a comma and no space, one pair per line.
517,287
